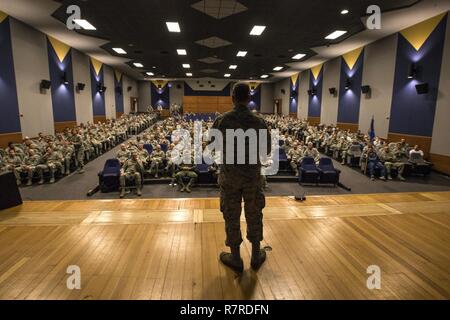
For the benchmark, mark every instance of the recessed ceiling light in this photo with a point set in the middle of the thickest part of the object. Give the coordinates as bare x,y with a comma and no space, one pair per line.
257,30
84,24
173,26
241,54
189,74
298,56
138,65
186,65
119,50
335,35
345,11
233,67
264,76
227,75
150,73
277,68
181,52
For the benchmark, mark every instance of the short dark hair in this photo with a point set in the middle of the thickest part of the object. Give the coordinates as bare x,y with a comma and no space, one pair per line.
241,92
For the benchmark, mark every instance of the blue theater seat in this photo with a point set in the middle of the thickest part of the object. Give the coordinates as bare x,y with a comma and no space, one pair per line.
308,171
109,178
149,148
327,172
204,175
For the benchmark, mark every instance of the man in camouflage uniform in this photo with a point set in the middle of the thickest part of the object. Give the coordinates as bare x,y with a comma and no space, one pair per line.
132,169
32,164
294,155
77,140
156,159
241,181
312,152
186,171
53,162
123,154
390,161
13,163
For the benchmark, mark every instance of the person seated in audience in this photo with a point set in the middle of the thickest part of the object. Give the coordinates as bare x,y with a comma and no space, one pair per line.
77,140
32,164
373,163
132,169
416,151
171,166
390,161
186,171
143,154
156,160
294,156
53,162
123,154
312,152
13,163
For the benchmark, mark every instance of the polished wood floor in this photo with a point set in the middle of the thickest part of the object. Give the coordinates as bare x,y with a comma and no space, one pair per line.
167,249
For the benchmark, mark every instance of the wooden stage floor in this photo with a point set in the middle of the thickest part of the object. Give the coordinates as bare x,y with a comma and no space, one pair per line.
168,249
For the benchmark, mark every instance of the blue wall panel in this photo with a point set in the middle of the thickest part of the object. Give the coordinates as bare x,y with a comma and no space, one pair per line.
350,100
293,95
315,102
255,99
9,106
160,97
118,94
411,113
63,97
98,99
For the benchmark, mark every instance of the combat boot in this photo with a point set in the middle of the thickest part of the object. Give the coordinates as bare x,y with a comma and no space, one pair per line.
401,177
235,264
122,193
41,181
30,182
81,171
139,191
258,259
389,177
52,179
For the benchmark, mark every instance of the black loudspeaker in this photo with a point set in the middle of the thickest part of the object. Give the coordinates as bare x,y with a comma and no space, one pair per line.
178,86
365,89
333,91
45,84
10,195
422,88
283,91
80,86
129,89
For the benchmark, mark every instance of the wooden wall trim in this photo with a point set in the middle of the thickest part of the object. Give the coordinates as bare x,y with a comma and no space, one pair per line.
5,138
422,141
61,126
99,119
440,162
314,120
207,104
293,115
119,114
353,127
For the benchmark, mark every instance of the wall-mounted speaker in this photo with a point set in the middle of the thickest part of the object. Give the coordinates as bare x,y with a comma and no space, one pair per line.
45,84
178,86
422,88
365,89
80,86
333,91
129,89
283,91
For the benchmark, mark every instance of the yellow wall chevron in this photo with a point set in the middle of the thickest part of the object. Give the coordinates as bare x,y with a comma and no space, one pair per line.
351,57
419,33
60,48
3,16
316,70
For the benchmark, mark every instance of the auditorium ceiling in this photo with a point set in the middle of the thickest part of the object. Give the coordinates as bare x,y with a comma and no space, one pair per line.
213,31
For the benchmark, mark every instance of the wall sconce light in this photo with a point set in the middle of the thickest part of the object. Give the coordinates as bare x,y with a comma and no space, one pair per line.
348,84
101,88
65,80
312,92
412,71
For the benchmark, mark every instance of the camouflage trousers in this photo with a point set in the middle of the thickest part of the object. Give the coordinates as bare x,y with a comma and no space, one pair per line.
135,176
232,191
